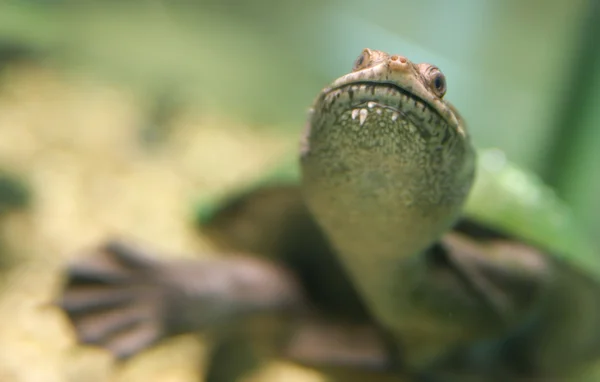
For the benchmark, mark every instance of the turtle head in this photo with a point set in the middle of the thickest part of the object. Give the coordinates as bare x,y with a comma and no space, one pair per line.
414,91
385,129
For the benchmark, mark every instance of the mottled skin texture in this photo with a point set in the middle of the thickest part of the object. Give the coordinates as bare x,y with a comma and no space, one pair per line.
350,273
387,165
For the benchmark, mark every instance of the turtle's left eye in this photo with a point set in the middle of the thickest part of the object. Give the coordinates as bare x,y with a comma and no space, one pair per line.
438,83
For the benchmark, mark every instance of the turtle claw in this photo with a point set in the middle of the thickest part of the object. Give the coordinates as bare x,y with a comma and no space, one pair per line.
113,299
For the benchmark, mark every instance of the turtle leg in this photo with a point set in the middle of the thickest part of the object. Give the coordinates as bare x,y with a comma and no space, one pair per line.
121,299
322,343
347,351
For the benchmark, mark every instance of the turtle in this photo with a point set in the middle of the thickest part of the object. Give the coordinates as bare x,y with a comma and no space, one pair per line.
389,248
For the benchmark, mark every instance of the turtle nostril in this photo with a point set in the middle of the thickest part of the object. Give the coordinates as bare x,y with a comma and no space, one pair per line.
398,63
401,59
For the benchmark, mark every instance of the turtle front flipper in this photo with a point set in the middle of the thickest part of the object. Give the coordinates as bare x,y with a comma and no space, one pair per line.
121,299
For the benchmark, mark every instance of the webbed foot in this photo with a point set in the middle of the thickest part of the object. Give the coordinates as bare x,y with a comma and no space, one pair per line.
123,300
114,300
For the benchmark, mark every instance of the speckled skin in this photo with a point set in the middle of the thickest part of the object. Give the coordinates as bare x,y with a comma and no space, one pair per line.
387,165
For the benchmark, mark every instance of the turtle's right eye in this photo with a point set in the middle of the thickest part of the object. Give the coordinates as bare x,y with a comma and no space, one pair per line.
438,83
363,60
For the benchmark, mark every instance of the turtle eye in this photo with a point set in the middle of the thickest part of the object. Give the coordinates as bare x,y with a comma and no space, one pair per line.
438,83
362,61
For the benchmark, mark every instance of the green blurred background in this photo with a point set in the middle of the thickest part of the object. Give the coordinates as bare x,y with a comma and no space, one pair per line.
524,74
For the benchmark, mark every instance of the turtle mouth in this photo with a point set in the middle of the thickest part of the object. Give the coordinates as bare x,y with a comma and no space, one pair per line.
363,90
428,120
